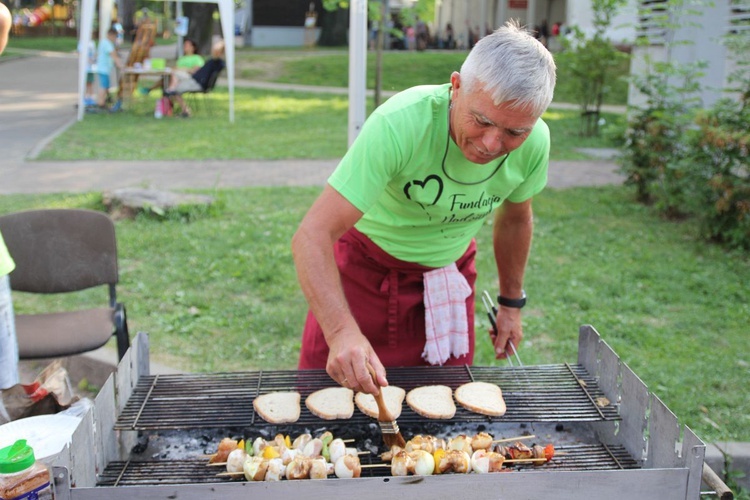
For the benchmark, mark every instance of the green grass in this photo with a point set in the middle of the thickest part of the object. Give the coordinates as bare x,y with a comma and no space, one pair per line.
57,44
269,125
219,293
49,43
401,69
330,67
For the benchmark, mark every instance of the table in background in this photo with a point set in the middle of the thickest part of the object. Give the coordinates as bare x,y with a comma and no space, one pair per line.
130,78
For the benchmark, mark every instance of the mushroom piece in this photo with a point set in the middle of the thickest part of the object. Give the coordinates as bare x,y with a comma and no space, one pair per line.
318,468
300,441
401,464
313,448
482,441
275,470
236,460
461,442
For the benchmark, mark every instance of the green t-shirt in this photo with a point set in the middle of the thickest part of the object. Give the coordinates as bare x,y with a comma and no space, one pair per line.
422,200
6,262
189,62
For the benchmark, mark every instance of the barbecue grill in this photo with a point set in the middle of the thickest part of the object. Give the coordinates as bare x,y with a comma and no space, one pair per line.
149,434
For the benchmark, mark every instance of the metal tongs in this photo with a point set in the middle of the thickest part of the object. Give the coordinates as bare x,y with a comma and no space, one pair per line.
489,305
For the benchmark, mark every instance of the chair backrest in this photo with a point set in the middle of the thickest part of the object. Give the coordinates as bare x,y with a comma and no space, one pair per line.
60,250
212,79
144,40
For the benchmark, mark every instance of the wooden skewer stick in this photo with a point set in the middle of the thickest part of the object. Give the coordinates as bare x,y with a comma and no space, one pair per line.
230,474
348,440
517,438
523,460
372,466
217,464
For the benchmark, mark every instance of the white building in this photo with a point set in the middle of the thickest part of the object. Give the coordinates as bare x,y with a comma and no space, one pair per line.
704,31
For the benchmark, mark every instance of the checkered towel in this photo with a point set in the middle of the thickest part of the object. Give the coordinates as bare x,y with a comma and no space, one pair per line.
446,326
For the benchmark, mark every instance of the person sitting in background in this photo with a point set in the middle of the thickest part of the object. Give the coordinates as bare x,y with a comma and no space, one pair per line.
190,62
182,81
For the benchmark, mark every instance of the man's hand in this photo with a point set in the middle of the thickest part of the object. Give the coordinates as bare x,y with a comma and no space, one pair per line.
509,331
347,362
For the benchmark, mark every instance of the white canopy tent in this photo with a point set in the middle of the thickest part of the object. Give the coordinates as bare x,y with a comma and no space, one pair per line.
226,11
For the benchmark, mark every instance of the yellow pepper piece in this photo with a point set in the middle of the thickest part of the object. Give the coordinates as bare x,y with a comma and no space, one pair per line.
270,452
288,441
438,456
241,444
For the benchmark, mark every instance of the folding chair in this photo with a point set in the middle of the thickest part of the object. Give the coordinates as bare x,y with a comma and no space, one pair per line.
193,96
139,52
58,251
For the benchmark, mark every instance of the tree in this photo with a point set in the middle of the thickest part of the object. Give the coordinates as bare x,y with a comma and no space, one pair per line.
591,61
334,23
201,25
126,15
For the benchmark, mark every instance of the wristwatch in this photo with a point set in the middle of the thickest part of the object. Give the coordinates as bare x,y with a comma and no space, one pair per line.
516,303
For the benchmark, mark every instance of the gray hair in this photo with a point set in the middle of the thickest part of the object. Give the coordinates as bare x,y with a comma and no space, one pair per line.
512,65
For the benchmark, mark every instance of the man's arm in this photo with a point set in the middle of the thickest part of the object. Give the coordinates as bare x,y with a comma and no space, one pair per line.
312,247
512,232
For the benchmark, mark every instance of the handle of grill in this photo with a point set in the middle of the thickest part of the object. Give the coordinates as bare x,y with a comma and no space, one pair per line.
715,483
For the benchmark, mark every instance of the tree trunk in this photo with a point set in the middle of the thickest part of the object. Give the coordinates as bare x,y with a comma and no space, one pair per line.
201,25
126,15
334,27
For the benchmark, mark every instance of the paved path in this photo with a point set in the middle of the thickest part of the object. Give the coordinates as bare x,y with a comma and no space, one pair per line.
37,101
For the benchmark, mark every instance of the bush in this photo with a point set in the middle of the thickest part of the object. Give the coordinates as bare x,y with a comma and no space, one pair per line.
655,145
719,159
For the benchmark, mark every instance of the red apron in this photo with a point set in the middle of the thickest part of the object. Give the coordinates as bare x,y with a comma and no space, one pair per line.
386,297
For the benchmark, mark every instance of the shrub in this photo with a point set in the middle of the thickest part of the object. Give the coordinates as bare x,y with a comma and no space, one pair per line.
719,159
655,146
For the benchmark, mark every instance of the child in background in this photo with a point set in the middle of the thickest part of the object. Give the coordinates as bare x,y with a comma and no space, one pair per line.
106,60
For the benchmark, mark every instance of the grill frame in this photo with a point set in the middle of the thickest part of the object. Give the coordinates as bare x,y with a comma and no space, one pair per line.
543,393
664,472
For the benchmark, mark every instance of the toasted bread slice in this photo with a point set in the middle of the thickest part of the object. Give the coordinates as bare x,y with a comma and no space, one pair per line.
392,395
278,407
432,401
481,397
331,403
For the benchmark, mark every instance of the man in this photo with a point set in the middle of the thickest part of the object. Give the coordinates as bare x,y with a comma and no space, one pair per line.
385,256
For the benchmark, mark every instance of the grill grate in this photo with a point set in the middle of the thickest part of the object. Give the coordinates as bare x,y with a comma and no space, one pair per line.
152,473
540,393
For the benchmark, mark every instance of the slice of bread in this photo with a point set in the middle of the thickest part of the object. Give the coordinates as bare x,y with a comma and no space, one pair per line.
392,395
331,403
481,397
432,401
278,407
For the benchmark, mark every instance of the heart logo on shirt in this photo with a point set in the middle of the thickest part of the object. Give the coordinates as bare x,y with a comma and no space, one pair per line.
430,188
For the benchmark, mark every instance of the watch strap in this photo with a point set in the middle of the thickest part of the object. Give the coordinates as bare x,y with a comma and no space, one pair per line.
515,303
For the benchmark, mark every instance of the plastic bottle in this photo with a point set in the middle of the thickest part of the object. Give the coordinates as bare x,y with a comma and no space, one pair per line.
159,109
22,477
